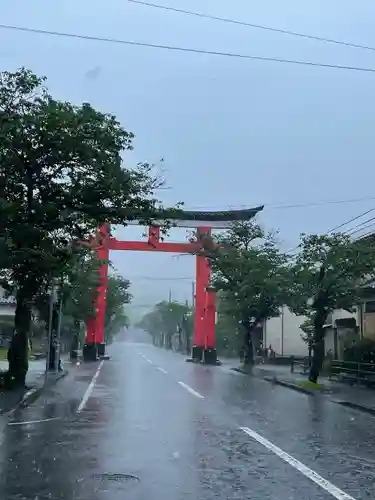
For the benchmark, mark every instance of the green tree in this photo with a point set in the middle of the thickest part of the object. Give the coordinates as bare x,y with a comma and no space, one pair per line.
77,287
152,323
61,176
166,320
328,272
79,292
252,276
117,297
228,330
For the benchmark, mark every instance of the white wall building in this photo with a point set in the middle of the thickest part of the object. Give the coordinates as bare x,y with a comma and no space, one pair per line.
284,334
7,304
7,311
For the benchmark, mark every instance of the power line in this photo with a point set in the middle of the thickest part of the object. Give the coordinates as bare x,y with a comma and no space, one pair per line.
130,304
349,231
280,206
292,251
252,25
363,228
351,220
370,233
186,49
318,203
148,278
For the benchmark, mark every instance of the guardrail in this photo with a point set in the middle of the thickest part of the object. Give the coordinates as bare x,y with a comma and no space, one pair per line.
355,372
303,364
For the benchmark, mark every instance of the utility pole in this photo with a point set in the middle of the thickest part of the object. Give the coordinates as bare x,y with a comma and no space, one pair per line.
52,300
282,331
193,293
170,295
58,333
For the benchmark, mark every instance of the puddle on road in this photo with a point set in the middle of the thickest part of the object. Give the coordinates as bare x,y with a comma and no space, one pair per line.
118,478
116,482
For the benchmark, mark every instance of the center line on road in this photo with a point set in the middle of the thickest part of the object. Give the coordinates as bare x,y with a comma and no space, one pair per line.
89,389
148,361
28,422
162,370
192,391
306,471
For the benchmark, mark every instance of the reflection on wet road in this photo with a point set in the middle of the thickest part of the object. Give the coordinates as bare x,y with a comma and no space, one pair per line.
146,425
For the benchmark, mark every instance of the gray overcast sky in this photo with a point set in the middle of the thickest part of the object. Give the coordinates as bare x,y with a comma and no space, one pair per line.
233,132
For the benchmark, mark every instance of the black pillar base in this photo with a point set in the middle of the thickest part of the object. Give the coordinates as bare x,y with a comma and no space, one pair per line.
90,352
196,353
202,355
101,349
210,357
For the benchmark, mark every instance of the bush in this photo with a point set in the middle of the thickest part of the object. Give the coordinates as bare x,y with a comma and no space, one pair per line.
362,351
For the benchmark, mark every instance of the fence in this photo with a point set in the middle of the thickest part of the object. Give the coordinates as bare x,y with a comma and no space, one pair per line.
351,371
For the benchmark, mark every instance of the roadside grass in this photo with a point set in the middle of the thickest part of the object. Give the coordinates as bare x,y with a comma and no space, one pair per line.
311,386
4,351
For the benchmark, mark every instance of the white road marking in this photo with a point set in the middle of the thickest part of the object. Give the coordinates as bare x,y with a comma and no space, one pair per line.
27,422
306,471
149,361
192,391
89,389
162,370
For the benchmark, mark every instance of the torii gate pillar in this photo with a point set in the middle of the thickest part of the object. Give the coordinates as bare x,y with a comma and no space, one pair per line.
204,343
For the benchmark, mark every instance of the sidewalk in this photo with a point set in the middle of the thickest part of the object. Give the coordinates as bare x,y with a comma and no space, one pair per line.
35,380
352,396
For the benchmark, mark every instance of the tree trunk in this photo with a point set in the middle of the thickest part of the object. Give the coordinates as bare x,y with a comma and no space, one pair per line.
53,339
188,344
248,347
318,345
19,348
320,317
180,343
168,341
75,337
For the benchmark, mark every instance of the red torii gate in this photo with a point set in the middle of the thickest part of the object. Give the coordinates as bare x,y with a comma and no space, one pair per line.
204,345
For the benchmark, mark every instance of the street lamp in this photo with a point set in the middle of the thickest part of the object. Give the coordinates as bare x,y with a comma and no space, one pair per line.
52,300
54,325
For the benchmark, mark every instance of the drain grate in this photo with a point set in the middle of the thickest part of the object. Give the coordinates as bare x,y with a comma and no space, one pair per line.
118,478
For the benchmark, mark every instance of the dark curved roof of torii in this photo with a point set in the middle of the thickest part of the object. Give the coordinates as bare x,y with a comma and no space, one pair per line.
213,215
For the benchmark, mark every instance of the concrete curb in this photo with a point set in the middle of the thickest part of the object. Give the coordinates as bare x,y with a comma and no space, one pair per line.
240,370
348,404
290,385
355,406
34,393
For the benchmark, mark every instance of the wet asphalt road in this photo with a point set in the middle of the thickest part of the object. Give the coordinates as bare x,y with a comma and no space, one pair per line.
176,427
